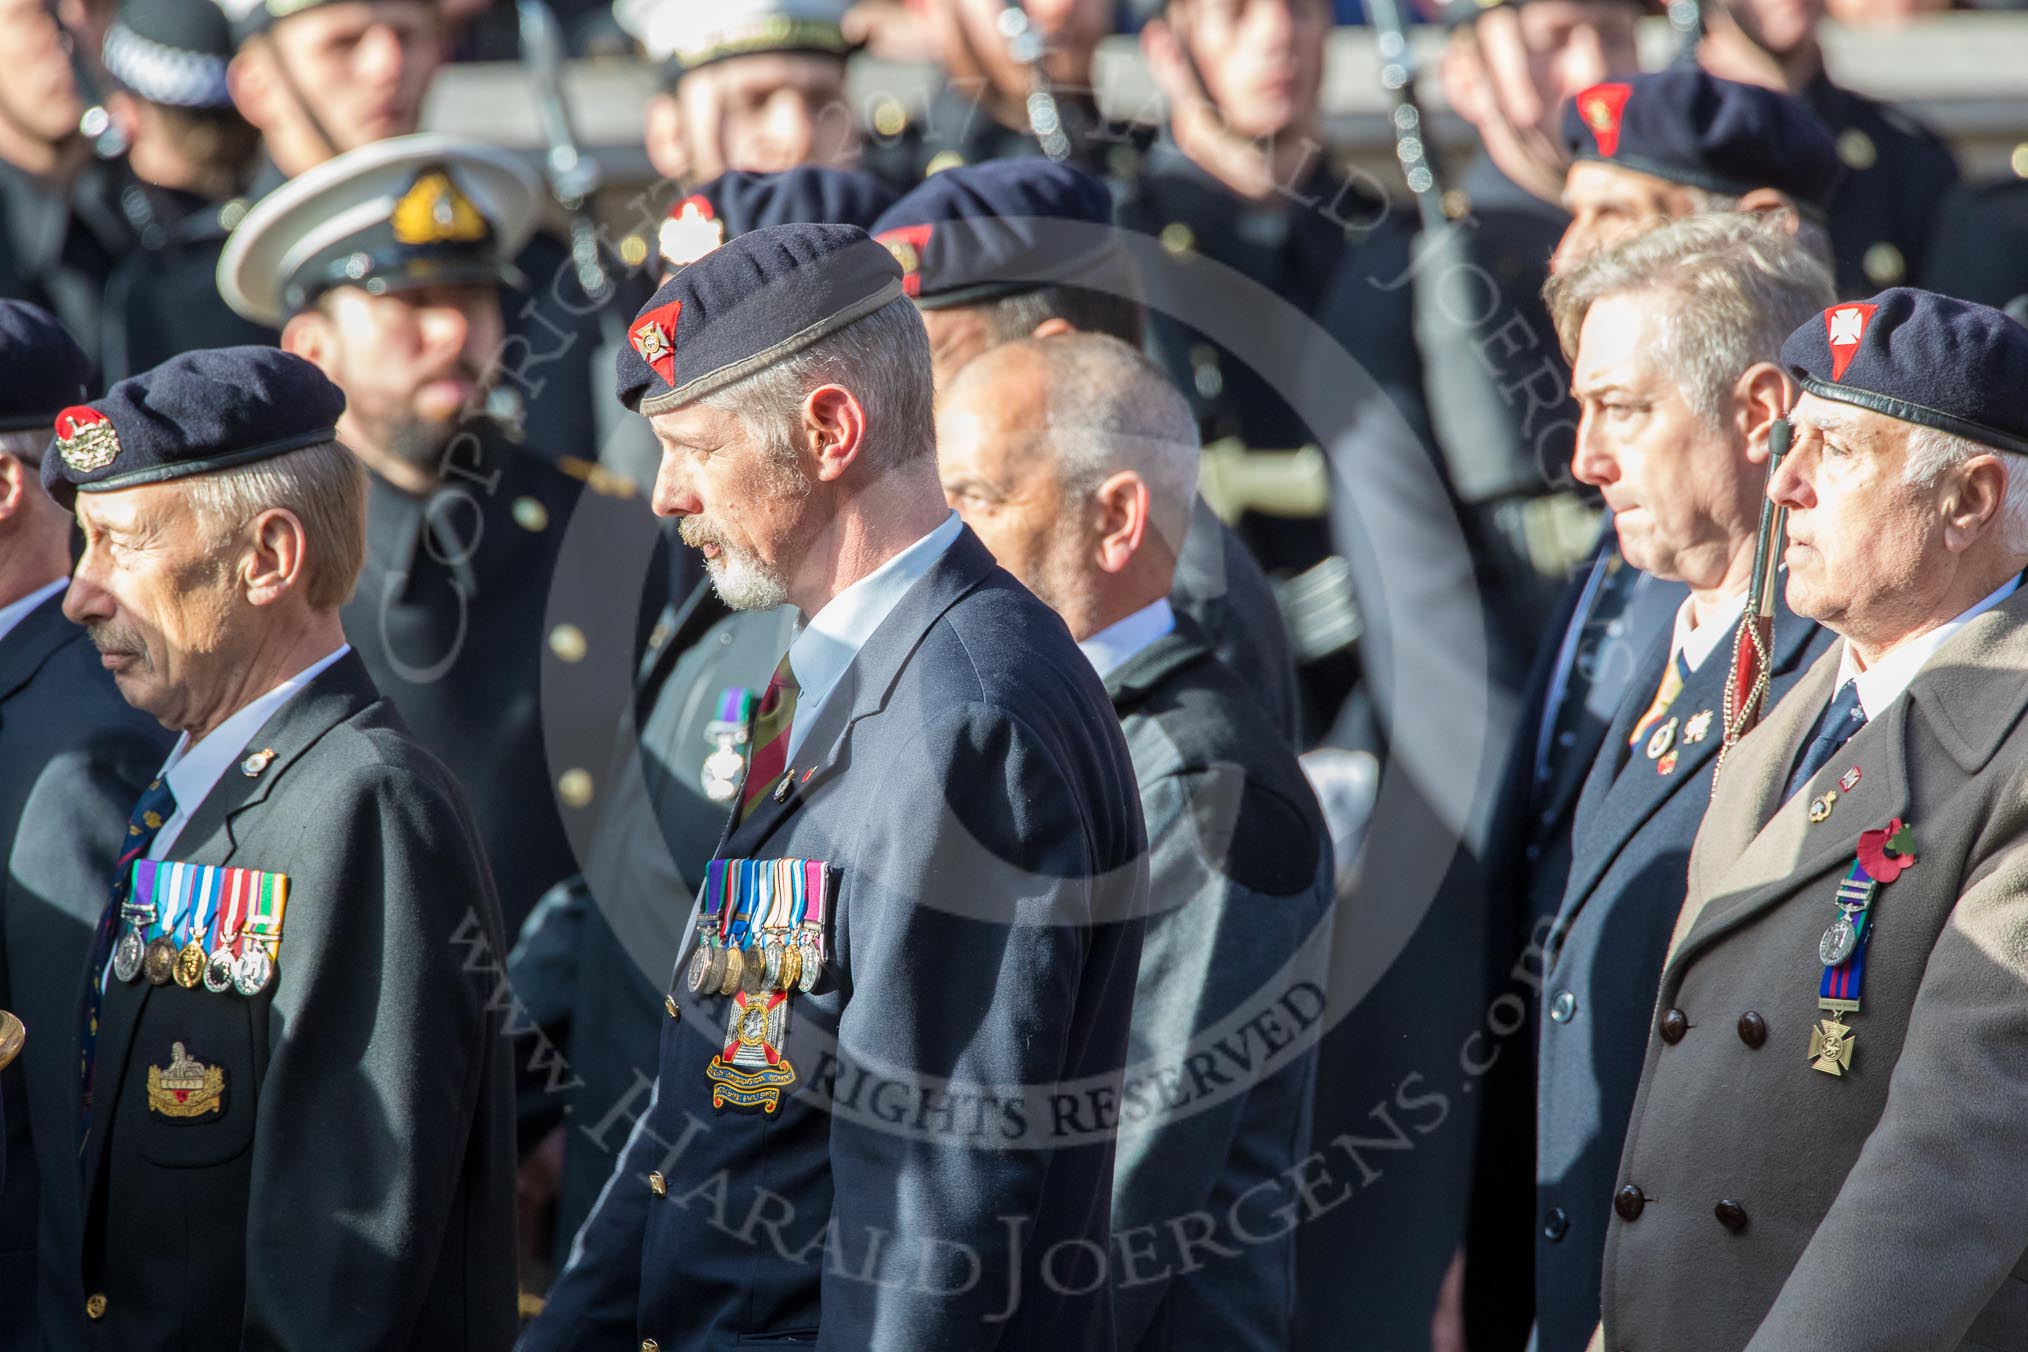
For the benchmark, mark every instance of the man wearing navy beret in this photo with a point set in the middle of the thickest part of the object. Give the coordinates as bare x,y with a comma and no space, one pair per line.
1824,1149
1014,249
891,1056
72,758
1653,148
291,1108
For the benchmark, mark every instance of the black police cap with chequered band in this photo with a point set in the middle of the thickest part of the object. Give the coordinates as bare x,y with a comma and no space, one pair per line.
212,409
1689,127
760,298
1922,358
42,369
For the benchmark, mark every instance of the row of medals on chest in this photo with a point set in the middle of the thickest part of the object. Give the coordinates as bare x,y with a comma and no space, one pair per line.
785,964
250,971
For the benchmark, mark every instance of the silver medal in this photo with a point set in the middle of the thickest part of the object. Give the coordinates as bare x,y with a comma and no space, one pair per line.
1839,942
219,971
813,969
254,970
700,967
722,771
127,955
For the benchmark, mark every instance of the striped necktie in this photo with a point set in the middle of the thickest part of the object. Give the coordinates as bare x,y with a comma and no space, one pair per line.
1665,695
770,737
1840,720
157,806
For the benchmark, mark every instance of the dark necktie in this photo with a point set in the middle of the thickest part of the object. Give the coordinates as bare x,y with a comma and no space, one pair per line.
1839,722
157,806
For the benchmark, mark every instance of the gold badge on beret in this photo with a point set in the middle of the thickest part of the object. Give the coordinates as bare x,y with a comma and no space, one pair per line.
906,243
186,1087
85,439
435,212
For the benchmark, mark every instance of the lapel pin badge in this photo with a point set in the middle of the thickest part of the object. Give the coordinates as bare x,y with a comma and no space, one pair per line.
260,760
1820,808
1698,727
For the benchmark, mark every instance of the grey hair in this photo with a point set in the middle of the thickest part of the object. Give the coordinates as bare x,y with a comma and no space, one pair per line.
1111,409
1738,282
1931,451
884,359
324,486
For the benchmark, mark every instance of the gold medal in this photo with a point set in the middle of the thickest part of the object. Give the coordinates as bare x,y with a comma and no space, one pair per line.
735,967
190,965
792,968
1831,1046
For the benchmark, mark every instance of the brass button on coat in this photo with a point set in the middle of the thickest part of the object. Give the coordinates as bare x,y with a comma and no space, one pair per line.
1752,1029
1731,1215
669,1003
658,1184
1629,1202
1674,1024
95,1305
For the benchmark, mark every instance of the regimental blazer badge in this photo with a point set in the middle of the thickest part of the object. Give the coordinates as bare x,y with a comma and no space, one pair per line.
752,1072
186,1087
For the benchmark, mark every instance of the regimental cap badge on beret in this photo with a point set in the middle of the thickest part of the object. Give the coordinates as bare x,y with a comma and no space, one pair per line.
85,439
433,211
1601,107
654,337
906,243
1845,328
690,231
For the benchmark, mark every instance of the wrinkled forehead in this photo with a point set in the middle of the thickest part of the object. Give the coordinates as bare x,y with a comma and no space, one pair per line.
1832,418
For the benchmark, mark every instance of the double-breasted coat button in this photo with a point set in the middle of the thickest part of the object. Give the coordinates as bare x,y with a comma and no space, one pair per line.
650,1345
658,1184
95,1305
1629,1202
1556,1224
1564,1007
669,1003
1731,1215
1752,1029
1674,1024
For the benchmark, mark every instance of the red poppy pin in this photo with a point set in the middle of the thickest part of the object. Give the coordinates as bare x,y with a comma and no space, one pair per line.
1885,852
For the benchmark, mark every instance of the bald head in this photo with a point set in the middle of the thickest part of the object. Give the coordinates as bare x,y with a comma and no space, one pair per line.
1075,460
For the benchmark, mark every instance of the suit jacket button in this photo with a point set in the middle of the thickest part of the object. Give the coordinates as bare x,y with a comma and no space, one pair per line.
1564,1007
1674,1024
1555,1225
1731,1215
95,1305
669,1003
650,1345
658,1184
1752,1029
1629,1202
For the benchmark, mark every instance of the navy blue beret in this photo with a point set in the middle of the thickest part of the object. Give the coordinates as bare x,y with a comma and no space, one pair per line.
42,369
979,232
736,203
1922,358
742,307
1689,127
207,410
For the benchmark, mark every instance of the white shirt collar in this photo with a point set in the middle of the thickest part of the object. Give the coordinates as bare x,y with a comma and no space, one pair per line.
1119,642
1882,683
1699,643
14,612
194,769
826,645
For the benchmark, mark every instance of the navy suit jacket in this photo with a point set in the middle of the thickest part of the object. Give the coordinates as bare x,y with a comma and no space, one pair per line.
939,1174
1630,859
73,759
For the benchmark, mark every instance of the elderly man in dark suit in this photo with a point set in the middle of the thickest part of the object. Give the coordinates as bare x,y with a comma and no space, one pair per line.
72,758
892,1060
282,1048
1076,462
1673,339
1826,1141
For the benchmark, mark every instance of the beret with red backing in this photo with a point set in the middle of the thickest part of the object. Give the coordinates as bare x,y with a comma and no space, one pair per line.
42,369
1922,358
740,308
984,231
212,409
736,202
1689,127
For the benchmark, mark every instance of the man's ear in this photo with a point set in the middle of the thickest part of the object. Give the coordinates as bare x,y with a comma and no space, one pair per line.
1121,503
1162,47
308,335
834,429
1760,396
250,81
14,486
1975,501
277,557
1051,327
662,135
1774,204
